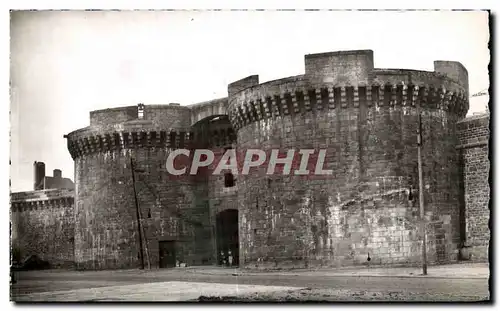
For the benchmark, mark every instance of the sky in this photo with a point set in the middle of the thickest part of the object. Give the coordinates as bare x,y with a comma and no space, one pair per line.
65,64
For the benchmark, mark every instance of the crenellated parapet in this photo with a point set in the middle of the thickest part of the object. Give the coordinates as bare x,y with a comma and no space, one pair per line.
134,127
256,106
42,199
94,142
348,79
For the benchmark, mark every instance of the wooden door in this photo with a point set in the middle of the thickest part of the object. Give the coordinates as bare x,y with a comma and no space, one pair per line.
167,254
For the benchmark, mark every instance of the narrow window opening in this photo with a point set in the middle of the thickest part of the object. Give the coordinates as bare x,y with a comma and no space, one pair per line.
149,213
228,180
410,195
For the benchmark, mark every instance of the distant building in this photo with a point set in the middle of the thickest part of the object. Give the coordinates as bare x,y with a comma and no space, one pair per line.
42,182
42,219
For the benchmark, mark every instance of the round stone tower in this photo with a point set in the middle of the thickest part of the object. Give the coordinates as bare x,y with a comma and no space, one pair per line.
129,212
367,211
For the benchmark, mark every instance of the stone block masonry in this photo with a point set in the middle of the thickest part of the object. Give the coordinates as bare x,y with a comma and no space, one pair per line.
42,224
108,232
474,134
366,120
365,213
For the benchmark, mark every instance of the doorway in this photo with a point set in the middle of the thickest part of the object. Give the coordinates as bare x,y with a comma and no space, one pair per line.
227,237
167,254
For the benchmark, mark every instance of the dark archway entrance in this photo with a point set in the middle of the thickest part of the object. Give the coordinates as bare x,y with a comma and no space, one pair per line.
227,237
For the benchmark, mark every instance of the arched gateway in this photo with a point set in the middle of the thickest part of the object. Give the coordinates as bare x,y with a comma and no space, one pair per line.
227,236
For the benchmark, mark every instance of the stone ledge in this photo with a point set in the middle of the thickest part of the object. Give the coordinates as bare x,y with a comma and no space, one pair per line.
472,145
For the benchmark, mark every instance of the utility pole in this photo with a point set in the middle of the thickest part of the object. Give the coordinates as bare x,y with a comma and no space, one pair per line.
420,179
137,214
421,191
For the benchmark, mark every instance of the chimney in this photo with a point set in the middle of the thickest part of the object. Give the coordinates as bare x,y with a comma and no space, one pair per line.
38,175
57,173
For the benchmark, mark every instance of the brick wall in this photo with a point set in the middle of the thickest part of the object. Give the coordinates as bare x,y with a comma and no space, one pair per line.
42,225
474,135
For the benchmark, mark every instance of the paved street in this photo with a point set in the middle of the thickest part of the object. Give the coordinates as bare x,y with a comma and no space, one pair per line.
468,282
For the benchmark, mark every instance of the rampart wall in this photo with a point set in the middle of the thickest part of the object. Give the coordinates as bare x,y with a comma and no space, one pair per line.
366,212
474,134
42,224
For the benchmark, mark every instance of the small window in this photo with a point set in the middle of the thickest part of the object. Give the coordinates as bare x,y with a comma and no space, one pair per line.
228,180
149,213
140,111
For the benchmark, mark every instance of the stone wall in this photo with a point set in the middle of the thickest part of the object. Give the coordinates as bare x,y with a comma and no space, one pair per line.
367,123
106,230
367,212
42,224
474,134
215,134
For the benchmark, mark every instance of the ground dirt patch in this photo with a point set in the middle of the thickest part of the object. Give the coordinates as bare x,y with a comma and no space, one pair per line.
326,295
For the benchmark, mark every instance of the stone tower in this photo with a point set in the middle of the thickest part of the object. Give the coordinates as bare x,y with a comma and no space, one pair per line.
366,119
121,223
